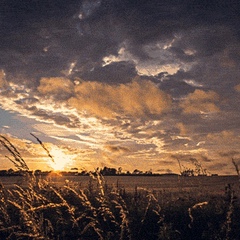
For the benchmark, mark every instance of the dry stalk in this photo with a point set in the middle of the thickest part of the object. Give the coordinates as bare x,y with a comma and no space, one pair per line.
123,212
197,205
236,167
92,225
27,220
43,146
17,160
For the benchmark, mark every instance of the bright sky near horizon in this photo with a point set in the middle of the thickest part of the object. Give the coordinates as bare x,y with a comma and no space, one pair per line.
134,84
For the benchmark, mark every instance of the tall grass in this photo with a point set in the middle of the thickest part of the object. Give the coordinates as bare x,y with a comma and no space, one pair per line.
16,157
43,211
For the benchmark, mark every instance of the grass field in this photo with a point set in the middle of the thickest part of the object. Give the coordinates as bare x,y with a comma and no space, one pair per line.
105,208
173,183
120,208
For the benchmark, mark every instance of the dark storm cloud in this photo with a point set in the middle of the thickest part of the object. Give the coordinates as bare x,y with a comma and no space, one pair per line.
41,38
176,86
149,21
46,35
114,73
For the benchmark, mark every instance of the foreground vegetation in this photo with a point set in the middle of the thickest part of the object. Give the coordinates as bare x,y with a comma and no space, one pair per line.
41,210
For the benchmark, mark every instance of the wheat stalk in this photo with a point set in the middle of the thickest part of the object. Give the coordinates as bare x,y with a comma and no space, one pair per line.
43,146
18,161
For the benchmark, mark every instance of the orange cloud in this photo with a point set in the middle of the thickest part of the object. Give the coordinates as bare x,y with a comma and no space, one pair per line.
182,128
200,101
222,136
117,149
137,98
225,140
237,88
58,87
3,82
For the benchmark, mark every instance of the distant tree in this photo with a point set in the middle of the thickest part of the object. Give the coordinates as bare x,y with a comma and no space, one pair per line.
3,172
11,171
119,171
136,172
108,171
149,172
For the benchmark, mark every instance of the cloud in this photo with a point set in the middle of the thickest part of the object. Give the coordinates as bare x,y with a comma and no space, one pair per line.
72,64
165,170
200,102
88,31
157,59
58,87
117,149
137,98
3,82
112,153
219,167
26,148
182,128
224,139
237,88
117,72
37,158
88,8
229,154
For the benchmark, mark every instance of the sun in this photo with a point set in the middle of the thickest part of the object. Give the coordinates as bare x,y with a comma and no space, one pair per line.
61,159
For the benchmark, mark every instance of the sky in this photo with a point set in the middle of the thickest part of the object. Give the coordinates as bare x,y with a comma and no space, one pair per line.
140,84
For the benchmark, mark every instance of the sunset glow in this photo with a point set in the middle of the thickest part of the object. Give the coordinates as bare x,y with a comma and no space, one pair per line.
131,84
61,161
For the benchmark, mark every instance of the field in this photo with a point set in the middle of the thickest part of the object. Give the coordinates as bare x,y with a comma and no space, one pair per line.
171,183
119,207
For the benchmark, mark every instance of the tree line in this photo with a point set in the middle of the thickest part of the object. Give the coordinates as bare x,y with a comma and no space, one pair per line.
105,171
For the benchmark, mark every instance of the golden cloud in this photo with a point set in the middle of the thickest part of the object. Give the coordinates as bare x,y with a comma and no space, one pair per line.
117,149
237,88
222,136
3,82
137,98
225,140
58,87
182,128
200,101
